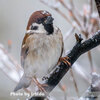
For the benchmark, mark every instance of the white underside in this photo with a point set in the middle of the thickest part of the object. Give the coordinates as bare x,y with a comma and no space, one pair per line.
43,54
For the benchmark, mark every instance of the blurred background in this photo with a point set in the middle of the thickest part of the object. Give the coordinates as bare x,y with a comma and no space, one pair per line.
79,16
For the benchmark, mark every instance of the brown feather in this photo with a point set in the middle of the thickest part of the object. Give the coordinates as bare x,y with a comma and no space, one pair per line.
35,16
24,49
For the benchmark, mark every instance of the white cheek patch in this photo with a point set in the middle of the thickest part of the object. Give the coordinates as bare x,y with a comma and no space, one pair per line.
39,30
35,24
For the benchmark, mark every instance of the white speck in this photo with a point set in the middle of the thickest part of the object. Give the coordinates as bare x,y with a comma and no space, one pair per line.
95,74
45,12
94,15
95,40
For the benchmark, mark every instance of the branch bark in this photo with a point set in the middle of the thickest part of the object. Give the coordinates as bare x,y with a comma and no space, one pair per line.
60,70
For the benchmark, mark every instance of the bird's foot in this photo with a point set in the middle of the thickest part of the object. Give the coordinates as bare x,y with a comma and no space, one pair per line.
40,86
65,60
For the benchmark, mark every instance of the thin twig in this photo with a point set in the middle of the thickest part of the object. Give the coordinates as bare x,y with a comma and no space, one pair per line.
90,60
74,82
63,89
71,12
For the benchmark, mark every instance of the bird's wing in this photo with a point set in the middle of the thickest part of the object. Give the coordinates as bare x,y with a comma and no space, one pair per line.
24,50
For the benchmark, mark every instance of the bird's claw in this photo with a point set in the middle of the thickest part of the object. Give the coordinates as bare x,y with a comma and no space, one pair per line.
65,60
40,86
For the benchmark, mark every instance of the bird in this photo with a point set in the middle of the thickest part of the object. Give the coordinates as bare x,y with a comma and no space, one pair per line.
41,49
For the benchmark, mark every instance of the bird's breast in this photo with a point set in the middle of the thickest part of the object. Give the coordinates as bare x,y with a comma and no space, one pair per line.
44,52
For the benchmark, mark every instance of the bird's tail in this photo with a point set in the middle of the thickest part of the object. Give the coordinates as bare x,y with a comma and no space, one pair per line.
23,83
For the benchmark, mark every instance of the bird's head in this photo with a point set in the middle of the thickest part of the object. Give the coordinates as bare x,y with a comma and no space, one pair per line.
41,22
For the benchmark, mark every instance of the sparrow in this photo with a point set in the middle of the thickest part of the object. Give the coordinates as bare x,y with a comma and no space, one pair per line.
41,49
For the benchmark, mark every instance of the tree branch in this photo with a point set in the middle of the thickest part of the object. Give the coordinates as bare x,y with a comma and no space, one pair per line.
57,74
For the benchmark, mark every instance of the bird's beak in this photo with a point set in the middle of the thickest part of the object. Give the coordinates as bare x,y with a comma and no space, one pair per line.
29,31
49,20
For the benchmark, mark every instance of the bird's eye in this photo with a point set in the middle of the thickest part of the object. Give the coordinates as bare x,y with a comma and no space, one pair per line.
34,27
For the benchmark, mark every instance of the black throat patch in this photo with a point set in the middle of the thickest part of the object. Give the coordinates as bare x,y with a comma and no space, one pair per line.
49,28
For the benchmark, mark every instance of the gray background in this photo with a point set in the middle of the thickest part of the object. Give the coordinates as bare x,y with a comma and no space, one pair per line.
14,16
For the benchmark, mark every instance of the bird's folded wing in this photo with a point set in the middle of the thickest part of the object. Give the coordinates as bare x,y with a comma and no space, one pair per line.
24,50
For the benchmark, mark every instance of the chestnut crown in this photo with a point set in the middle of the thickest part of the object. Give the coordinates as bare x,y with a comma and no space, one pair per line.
41,21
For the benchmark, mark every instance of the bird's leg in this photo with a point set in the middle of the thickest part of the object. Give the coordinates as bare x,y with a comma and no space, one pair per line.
26,90
40,86
65,60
